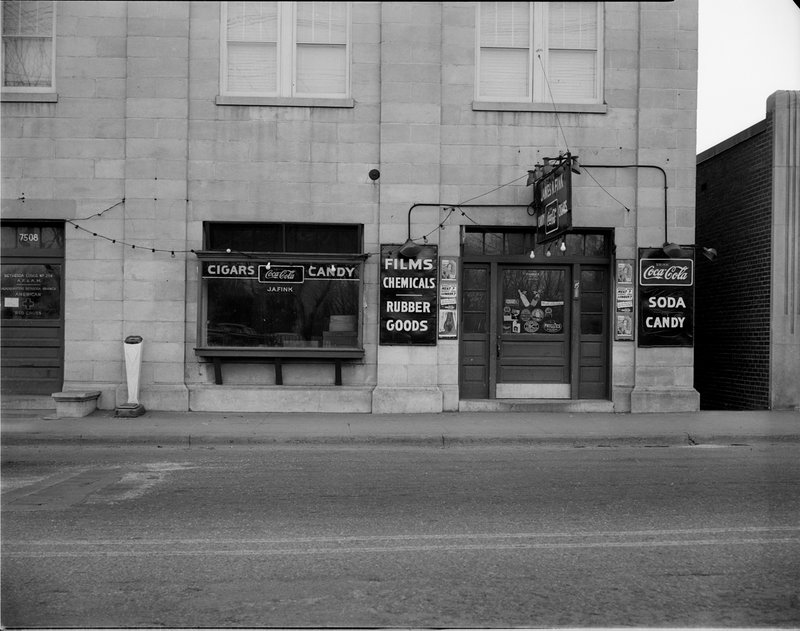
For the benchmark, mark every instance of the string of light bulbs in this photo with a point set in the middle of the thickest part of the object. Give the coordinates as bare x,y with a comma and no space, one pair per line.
451,210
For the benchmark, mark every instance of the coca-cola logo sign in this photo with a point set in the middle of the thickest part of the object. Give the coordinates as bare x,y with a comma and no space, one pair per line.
280,274
667,272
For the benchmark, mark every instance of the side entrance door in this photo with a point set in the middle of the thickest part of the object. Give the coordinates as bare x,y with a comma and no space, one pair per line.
32,308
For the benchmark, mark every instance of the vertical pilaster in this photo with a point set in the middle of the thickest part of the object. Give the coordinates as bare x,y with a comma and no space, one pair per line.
664,377
156,109
784,107
411,88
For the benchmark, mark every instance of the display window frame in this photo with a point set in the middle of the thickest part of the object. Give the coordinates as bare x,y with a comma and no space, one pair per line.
285,280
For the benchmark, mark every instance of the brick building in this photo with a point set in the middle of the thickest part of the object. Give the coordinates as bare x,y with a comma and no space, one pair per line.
233,182
748,344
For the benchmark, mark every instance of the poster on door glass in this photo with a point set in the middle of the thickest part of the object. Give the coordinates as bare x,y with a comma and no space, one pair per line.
533,302
31,292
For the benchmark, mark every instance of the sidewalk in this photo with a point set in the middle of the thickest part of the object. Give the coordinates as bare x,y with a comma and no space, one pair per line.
32,427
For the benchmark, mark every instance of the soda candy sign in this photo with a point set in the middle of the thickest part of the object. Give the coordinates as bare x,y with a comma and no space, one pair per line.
666,272
666,299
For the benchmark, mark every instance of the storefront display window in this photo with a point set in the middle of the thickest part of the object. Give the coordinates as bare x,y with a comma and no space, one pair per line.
303,292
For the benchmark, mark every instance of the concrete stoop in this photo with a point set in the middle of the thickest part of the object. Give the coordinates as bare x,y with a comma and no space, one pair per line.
535,405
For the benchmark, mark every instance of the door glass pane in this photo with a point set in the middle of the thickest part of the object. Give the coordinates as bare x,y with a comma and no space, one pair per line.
595,245
474,323
591,324
533,301
591,303
53,237
475,301
31,292
574,245
493,243
515,243
9,237
475,278
473,243
592,280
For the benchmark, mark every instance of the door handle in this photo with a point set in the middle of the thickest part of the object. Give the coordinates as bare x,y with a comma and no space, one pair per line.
498,348
576,290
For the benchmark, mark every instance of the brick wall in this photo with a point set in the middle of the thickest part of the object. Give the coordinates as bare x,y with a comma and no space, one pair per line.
732,331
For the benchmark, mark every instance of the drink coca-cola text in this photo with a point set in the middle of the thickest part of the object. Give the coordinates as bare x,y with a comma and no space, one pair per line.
660,272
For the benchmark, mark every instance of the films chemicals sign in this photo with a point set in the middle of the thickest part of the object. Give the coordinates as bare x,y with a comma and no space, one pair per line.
553,202
408,296
666,298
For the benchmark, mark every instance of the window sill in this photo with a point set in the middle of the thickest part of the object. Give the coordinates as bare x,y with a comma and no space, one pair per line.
29,97
279,101
266,352
576,108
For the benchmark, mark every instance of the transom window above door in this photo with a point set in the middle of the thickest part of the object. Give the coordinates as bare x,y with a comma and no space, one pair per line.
285,49
539,52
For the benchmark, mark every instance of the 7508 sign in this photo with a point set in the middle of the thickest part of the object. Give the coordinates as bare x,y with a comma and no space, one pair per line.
28,237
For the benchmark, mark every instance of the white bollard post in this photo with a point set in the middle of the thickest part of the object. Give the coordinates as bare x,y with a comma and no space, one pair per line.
133,367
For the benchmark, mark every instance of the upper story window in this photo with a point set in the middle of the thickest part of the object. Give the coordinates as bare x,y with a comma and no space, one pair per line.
286,49
28,46
539,52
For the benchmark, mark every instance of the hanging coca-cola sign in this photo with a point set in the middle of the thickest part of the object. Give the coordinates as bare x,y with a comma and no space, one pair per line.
666,298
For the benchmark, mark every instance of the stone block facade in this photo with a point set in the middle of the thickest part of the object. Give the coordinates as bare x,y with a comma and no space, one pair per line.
139,150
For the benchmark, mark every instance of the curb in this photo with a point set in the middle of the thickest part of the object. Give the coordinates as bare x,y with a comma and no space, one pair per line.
439,442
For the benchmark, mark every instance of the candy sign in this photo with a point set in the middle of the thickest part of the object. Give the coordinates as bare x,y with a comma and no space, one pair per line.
666,298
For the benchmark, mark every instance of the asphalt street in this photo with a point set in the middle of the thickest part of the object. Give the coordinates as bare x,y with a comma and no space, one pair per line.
388,536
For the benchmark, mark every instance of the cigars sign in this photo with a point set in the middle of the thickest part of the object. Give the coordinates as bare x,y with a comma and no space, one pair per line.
666,298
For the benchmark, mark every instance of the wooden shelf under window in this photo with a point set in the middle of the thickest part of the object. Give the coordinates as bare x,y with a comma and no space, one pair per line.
276,356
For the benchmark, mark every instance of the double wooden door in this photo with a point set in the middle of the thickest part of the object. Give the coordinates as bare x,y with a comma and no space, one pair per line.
534,331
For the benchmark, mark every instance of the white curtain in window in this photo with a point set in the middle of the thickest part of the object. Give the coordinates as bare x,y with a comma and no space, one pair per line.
504,66
572,75
321,70
27,43
252,40
573,25
504,73
252,67
572,44
321,61
505,24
